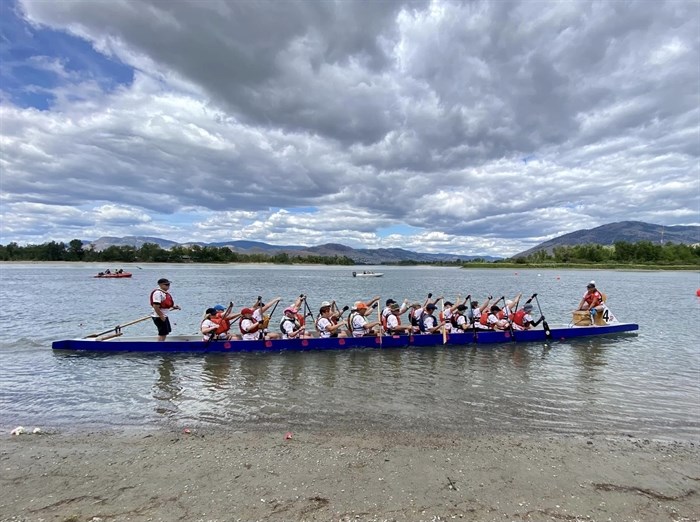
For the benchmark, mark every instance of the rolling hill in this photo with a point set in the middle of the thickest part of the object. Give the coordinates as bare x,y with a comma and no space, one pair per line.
629,231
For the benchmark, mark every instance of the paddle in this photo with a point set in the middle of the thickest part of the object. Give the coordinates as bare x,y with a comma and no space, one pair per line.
117,329
511,313
547,331
444,325
379,320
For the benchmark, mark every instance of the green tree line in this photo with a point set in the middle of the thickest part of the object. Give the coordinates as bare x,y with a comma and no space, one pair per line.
622,252
151,252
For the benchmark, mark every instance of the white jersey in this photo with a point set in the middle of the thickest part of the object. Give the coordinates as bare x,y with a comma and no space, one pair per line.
322,324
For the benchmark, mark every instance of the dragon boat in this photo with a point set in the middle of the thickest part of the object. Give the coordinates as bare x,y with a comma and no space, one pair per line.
194,344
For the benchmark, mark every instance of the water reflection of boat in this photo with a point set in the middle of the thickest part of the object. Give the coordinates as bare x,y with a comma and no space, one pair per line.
194,343
367,274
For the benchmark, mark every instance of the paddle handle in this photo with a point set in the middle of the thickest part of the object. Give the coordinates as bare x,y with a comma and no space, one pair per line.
118,327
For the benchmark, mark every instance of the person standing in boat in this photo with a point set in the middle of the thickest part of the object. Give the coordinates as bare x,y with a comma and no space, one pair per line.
161,302
592,301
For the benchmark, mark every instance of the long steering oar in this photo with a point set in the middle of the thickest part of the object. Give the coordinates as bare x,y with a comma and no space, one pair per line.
117,329
547,331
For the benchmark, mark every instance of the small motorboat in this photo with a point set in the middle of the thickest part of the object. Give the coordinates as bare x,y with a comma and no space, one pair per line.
367,274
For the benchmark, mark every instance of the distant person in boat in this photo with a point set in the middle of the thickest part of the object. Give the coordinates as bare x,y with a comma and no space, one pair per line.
289,325
522,320
326,325
161,301
592,301
357,324
428,323
107,271
393,321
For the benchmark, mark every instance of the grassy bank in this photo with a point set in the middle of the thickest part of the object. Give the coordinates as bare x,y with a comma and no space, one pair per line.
582,266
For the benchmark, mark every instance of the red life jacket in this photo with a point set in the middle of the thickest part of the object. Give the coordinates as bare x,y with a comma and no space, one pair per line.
301,319
383,319
165,303
224,324
255,328
484,319
519,316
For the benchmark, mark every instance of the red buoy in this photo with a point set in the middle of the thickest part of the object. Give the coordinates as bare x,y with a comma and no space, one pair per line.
698,292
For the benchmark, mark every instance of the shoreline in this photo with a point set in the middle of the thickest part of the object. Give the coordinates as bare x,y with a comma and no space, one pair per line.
216,474
466,266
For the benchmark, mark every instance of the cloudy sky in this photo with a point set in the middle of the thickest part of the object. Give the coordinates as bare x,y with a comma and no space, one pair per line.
458,127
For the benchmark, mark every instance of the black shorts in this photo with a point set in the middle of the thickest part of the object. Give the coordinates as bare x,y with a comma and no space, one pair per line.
163,325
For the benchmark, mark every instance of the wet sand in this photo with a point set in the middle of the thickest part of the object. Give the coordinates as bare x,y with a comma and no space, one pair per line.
210,475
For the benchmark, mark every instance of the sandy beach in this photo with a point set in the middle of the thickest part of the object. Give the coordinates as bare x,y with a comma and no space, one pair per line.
215,476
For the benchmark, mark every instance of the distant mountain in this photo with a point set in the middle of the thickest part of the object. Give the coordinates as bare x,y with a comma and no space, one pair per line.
135,241
360,256
629,231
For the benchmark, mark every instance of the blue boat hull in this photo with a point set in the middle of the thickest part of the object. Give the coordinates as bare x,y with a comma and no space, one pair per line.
196,345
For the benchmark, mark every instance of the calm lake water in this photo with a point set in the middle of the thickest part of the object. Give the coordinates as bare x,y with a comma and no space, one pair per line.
645,384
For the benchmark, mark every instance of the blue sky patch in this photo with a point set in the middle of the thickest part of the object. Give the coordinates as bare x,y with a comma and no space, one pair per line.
36,60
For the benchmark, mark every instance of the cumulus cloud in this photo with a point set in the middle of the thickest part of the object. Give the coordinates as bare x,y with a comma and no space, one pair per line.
504,123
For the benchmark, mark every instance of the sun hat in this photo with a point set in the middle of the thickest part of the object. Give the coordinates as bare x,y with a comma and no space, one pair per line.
591,284
247,311
394,307
219,308
325,303
290,310
361,306
390,302
431,306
